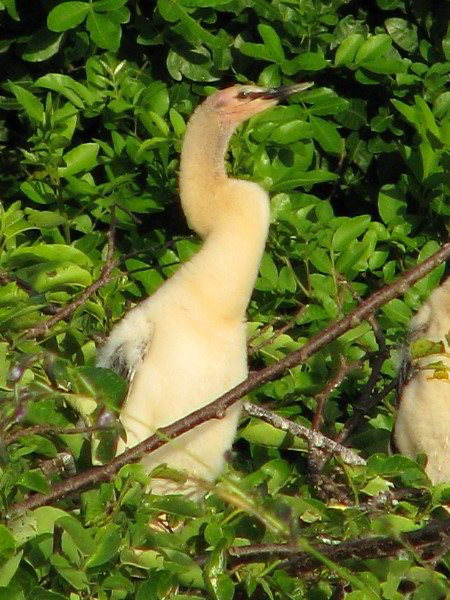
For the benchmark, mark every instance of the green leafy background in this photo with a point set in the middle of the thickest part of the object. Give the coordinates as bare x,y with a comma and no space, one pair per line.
94,101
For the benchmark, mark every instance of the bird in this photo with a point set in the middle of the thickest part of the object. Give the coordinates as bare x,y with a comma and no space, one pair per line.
185,345
422,423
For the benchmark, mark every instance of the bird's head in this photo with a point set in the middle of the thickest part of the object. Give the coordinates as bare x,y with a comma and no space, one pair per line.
238,103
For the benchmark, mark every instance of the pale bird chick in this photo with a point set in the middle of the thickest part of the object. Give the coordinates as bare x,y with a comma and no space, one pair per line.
422,423
186,345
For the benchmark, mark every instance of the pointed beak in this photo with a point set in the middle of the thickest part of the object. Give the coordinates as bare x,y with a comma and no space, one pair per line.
279,93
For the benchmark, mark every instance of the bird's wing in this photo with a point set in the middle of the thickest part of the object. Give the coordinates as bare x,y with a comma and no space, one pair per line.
123,353
121,362
127,345
405,373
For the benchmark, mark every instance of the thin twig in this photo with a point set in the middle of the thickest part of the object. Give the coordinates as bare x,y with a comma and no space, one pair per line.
6,278
333,384
277,332
217,409
41,429
317,457
63,313
317,439
362,410
434,537
366,401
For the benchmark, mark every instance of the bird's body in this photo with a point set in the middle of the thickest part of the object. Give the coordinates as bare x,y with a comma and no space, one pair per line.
186,344
422,423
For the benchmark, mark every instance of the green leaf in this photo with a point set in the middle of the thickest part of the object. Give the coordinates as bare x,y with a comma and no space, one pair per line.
7,545
105,31
41,594
43,45
77,579
269,271
442,105
321,260
349,258
39,444
44,219
258,51
398,311
391,203
221,587
325,101
304,179
11,8
32,105
198,68
177,13
67,15
74,91
403,33
49,252
427,117
346,51
327,135
107,543
80,536
176,505
81,158
393,525
286,280
430,159
375,46
306,61
50,275
177,121
349,231
290,132
263,434
104,5
118,584
204,3
35,481
410,113
9,568
271,42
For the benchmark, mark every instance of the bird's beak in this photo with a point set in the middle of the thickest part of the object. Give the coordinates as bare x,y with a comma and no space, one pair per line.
279,93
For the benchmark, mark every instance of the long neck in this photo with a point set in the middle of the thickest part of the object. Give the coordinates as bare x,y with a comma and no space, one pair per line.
202,168
231,215
224,271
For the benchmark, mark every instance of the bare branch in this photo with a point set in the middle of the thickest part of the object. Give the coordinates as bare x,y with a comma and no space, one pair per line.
315,438
41,429
333,384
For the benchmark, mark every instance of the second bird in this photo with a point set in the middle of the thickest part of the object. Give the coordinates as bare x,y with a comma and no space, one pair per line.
422,424
186,345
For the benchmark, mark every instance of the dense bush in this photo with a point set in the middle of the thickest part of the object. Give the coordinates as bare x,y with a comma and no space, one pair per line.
95,97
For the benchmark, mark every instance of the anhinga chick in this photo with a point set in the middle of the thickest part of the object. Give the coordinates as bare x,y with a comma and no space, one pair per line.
185,346
422,423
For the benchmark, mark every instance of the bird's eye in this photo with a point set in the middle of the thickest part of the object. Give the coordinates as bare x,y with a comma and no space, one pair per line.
243,95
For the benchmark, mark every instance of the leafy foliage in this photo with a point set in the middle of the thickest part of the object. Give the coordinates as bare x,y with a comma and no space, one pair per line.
95,98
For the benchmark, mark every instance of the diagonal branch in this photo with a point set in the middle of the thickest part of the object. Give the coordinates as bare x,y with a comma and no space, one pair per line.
216,409
314,437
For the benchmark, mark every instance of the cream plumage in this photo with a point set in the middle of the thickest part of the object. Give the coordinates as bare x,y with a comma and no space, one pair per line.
422,423
186,345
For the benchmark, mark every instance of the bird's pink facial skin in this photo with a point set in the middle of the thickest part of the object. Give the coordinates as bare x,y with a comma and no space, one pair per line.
232,109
